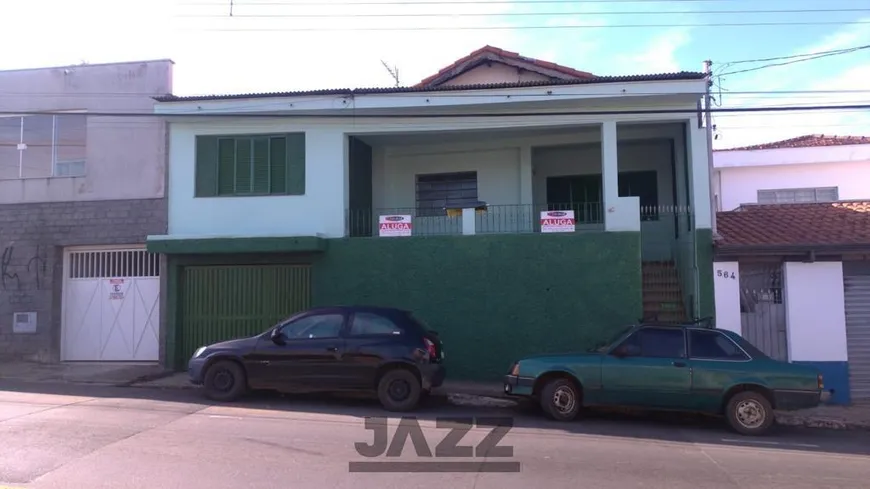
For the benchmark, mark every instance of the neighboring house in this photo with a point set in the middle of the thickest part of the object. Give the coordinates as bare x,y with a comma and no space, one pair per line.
794,279
278,208
814,168
79,193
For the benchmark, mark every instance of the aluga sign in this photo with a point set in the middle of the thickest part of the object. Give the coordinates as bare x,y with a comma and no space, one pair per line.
394,225
557,222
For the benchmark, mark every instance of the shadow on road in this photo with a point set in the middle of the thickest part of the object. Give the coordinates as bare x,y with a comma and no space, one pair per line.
669,427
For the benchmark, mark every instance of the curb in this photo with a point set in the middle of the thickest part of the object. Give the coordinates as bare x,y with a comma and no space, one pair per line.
820,423
145,378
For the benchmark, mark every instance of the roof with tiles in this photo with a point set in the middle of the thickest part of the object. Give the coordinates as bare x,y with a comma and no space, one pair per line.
492,54
811,224
808,141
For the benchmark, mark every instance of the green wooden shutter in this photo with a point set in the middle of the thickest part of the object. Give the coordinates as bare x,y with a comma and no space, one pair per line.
278,165
243,165
206,167
226,166
260,165
296,164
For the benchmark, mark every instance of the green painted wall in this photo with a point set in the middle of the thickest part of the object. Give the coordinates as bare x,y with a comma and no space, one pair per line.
704,241
492,298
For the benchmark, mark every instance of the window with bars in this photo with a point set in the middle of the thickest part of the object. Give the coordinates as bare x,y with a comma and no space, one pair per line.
250,165
798,195
437,191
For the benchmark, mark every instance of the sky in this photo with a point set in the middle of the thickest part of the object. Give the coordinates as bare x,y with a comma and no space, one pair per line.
283,45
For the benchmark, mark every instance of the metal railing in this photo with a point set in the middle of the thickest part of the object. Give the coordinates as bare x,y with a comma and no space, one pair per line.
495,219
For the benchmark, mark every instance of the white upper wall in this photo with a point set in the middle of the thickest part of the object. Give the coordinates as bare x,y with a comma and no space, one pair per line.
494,73
124,157
322,209
739,175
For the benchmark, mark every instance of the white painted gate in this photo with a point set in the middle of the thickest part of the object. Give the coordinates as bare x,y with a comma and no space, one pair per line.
111,304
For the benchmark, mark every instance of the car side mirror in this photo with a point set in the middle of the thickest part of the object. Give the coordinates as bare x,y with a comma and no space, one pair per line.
277,336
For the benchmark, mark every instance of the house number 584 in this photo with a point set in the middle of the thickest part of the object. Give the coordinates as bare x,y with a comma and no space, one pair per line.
726,274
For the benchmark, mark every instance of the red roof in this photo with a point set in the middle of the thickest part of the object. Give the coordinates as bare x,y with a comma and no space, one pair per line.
808,141
826,224
494,54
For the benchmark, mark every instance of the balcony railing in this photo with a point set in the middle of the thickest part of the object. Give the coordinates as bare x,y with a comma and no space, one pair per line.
494,219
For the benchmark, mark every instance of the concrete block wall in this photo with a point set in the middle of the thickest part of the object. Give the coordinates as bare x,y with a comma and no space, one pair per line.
32,239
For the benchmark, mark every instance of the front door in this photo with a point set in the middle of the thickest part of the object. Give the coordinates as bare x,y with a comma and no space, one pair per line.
649,369
307,354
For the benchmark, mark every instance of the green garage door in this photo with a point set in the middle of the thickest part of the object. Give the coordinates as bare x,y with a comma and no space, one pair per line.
226,302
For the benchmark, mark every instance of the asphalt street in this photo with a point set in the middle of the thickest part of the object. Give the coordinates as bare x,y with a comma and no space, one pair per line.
62,436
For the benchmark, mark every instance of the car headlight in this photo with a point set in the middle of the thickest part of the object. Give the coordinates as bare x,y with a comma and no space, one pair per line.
199,351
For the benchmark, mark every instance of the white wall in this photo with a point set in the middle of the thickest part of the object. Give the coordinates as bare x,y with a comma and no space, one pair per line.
740,185
320,211
726,289
815,311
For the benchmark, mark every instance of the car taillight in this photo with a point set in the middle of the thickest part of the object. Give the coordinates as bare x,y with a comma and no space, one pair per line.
821,382
430,347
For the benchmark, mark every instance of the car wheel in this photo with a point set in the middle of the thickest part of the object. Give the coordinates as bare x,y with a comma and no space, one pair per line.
560,400
399,390
750,413
225,381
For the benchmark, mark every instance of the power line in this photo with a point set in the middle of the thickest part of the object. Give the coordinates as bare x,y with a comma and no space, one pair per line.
802,58
526,27
438,2
353,113
517,14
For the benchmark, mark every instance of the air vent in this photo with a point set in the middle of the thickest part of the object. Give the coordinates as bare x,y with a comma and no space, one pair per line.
24,322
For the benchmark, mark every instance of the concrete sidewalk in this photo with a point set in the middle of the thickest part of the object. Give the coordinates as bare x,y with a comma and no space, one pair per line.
115,374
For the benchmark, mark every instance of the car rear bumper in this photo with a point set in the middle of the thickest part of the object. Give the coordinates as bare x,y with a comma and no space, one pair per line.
515,385
432,375
795,400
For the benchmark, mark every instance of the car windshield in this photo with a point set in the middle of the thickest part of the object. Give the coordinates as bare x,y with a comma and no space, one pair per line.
604,345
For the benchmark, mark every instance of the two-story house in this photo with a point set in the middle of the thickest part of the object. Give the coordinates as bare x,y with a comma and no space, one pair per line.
515,205
80,190
792,269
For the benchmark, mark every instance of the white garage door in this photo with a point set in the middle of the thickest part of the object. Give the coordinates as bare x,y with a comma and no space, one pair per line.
856,278
110,305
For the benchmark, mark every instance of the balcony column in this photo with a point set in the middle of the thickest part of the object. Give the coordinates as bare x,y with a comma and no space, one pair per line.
527,214
620,213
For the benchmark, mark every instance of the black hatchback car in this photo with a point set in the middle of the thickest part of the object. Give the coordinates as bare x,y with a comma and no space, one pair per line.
331,349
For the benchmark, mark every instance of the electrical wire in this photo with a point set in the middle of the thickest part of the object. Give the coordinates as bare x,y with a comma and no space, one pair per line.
517,14
808,57
524,27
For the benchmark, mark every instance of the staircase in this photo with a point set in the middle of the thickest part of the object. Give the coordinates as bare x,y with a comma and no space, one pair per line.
662,295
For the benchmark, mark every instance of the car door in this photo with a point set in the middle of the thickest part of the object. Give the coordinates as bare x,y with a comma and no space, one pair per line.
371,339
648,369
306,354
717,364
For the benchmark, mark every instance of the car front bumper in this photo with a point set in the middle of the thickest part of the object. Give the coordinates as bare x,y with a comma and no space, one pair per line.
196,370
515,385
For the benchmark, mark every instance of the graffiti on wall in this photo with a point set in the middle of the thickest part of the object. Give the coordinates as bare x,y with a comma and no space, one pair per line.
14,273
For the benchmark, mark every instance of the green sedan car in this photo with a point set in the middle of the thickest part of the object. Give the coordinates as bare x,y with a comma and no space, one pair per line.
688,367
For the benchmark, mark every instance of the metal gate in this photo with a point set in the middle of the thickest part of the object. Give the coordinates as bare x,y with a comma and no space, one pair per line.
856,282
110,305
221,303
762,308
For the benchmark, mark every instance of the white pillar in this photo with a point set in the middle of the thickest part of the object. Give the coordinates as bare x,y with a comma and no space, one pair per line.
700,175
527,214
620,213
816,321
726,289
469,221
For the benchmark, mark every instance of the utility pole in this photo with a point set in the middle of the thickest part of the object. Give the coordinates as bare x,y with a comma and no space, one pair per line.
708,121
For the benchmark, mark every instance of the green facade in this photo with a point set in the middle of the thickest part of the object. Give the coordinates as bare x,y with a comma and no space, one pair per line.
704,242
492,298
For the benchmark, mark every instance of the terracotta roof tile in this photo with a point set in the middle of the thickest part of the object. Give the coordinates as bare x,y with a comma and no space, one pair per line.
497,54
826,224
808,141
